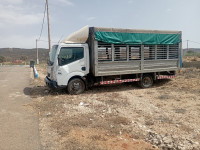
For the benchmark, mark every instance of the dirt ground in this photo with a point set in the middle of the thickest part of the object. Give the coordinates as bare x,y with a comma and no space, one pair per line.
121,116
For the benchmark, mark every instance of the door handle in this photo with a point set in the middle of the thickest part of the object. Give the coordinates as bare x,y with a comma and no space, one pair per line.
83,68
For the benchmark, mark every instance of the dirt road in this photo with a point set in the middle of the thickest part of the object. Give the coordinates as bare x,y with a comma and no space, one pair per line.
18,126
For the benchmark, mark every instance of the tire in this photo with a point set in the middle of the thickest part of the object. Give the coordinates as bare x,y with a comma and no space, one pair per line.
146,81
76,86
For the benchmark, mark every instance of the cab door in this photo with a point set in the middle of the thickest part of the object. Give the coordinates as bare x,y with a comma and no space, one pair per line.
72,61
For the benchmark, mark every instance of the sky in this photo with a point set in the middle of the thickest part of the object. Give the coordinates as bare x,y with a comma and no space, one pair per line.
21,20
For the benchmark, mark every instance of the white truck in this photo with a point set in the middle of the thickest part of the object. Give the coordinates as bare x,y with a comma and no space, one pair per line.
95,55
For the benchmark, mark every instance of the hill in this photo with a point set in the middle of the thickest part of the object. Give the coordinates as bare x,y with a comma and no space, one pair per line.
12,54
191,51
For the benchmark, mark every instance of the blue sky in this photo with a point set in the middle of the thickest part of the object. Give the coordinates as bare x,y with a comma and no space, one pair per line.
21,20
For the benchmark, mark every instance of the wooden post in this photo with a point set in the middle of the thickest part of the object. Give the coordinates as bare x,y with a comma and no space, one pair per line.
49,35
37,52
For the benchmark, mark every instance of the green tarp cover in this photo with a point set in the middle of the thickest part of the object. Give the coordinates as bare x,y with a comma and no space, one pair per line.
137,38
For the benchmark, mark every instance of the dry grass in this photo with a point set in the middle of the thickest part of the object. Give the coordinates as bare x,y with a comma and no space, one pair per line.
118,116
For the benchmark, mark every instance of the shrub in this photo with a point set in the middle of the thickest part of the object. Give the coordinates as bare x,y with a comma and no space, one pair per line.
2,59
23,58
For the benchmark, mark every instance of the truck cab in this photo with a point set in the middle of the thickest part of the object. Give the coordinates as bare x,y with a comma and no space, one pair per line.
68,64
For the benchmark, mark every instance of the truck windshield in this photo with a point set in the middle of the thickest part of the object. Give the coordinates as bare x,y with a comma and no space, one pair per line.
52,54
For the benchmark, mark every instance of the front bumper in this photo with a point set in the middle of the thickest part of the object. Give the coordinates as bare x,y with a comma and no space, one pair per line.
50,83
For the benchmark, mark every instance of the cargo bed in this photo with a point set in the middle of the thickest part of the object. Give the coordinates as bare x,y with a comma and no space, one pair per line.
127,51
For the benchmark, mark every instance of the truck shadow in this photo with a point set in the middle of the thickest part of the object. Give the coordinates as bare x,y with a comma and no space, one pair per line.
124,87
40,91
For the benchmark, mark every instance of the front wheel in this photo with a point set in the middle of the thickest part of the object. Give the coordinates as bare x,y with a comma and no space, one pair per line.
146,81
76,86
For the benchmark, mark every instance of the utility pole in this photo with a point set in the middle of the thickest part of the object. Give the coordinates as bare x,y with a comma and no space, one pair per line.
37,52
49,35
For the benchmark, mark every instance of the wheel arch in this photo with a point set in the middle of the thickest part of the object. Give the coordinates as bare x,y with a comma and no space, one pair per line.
72,76
152,74
76,76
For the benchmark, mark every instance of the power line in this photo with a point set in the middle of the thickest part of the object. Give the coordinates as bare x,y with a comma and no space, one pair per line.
194,42
43,21
46,41
40,34
191,41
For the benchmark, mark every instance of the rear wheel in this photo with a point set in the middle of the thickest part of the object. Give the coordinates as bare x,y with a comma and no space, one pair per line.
146,81
76,86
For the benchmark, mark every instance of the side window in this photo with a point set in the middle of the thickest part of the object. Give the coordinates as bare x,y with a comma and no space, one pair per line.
120,53
134,52
161,51
173,51
70,54
149,52
104,52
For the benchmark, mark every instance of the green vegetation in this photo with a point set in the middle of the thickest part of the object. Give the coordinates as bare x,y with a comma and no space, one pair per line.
192,53
2,59
24,58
